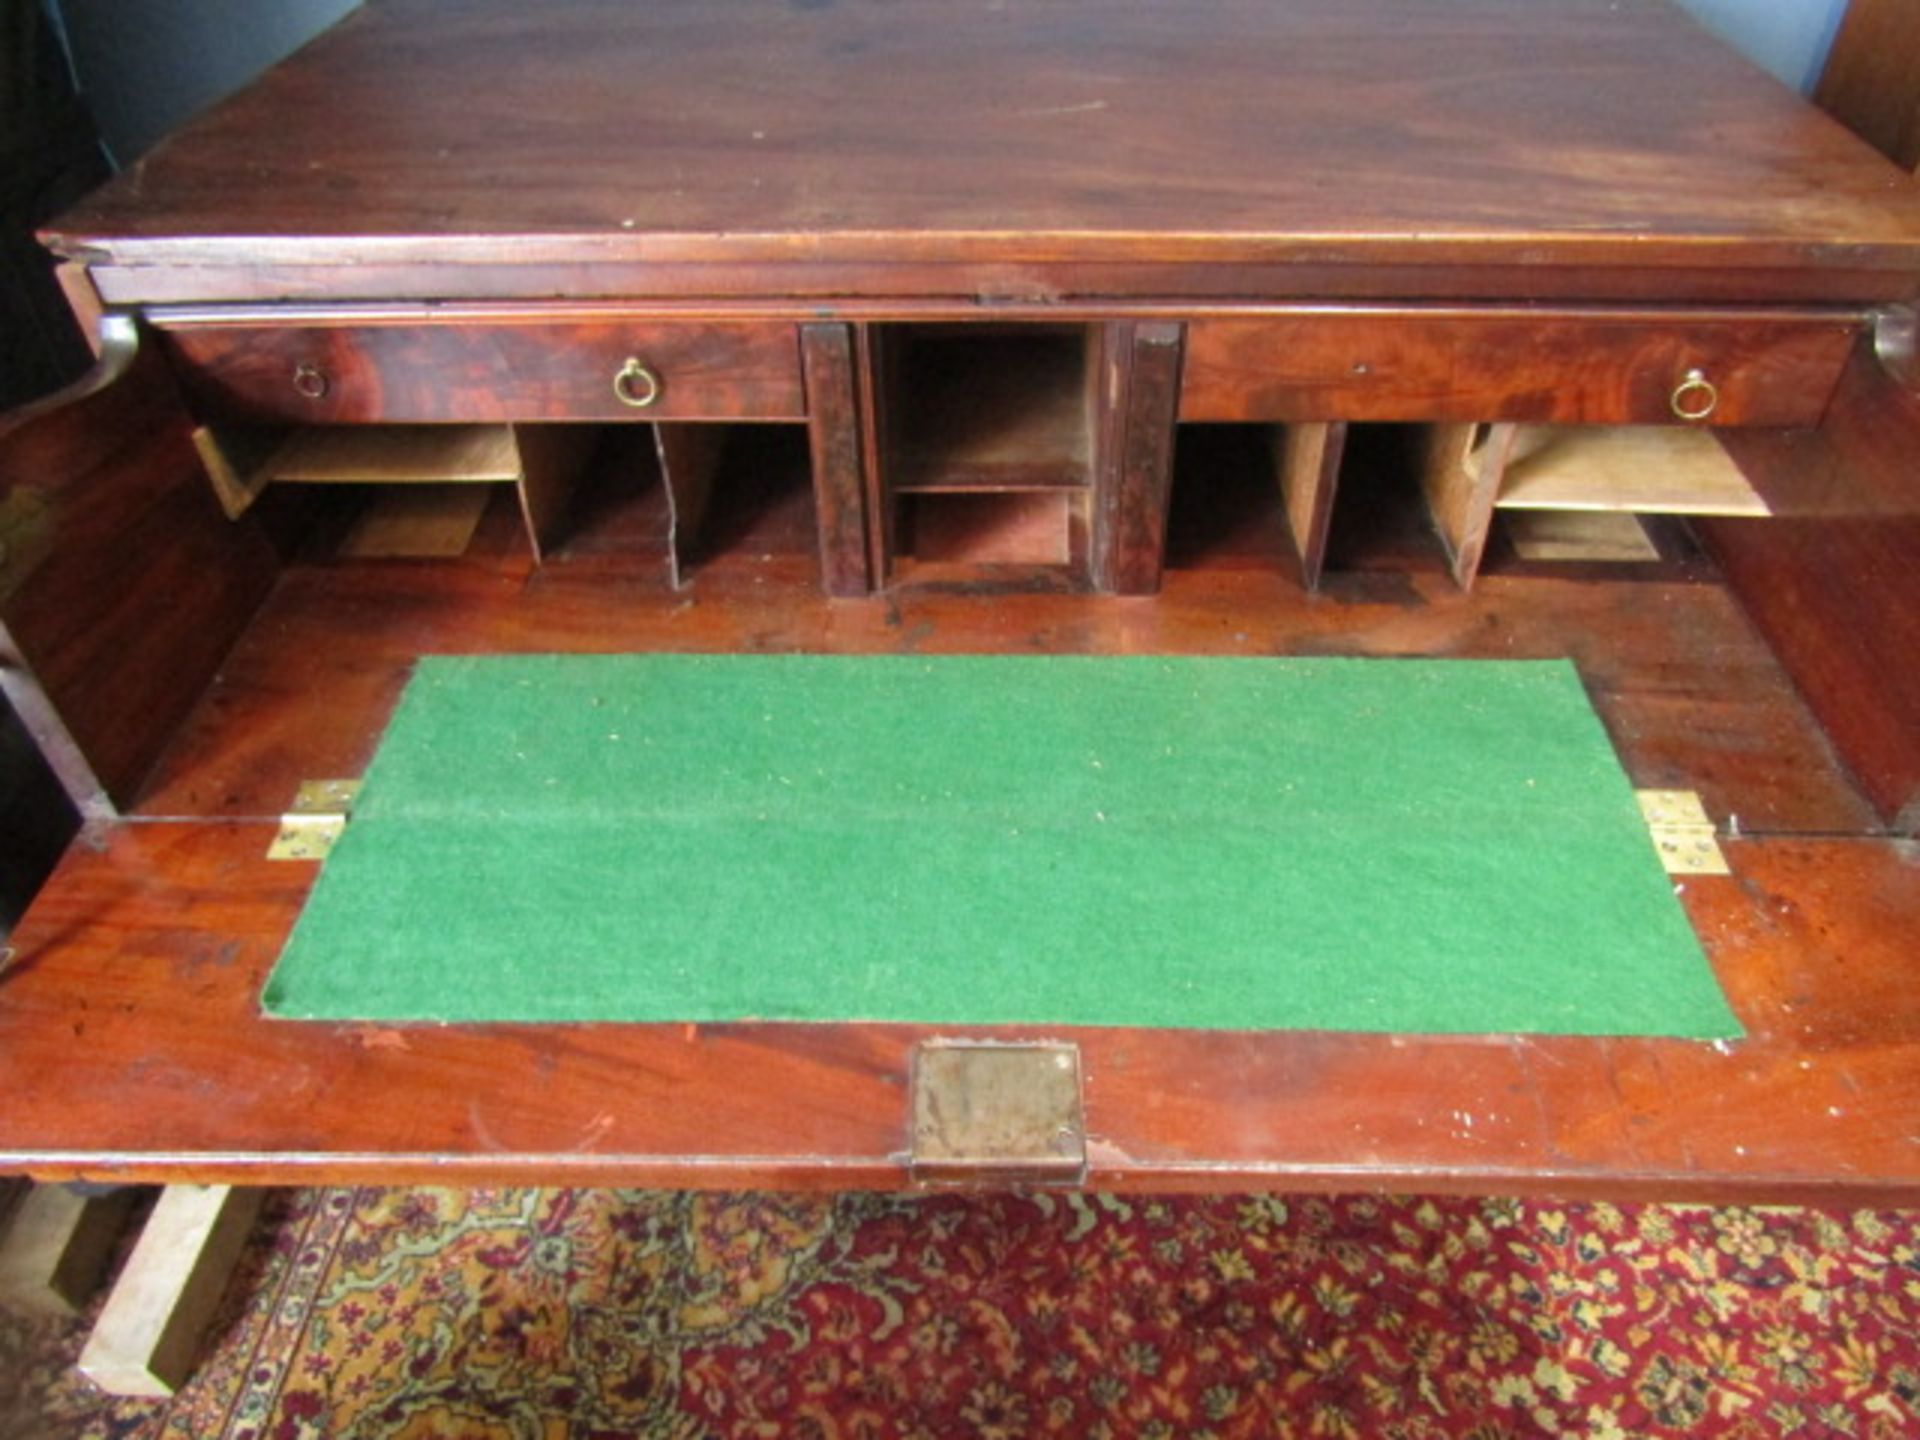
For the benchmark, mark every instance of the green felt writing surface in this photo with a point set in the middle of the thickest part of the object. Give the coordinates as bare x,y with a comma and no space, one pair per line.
1398,845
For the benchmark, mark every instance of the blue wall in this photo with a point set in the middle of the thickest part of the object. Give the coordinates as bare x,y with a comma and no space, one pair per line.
1790,37
147,65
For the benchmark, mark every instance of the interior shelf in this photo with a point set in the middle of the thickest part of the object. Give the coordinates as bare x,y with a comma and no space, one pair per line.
990,527
1469,472
439,472
1639,469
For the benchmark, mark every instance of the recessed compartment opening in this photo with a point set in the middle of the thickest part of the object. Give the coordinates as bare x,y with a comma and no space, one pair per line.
736,494
414,490
1308,497
1224,506
670,495
1574,493
989,441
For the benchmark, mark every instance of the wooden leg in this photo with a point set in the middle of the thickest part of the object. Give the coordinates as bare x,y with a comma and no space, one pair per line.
1460,474
689,455
839,474
149,1334
57,1247
1307,457
1134,483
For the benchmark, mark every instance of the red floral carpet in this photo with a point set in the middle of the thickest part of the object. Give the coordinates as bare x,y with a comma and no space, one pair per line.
513,1314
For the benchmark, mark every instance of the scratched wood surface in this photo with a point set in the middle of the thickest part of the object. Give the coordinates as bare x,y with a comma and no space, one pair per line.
1473,149
130,1042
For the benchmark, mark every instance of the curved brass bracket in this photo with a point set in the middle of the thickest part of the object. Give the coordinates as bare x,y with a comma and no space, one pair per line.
119,348
1896,340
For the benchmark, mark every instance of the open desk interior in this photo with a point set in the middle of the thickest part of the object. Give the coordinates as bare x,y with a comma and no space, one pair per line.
1044,364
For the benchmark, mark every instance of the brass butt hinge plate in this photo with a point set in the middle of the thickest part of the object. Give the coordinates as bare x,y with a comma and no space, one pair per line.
309,830
991,1113
26,535
1682,833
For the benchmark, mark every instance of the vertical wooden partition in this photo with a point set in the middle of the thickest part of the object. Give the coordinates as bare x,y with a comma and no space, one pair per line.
1307,456
839,410
1135,475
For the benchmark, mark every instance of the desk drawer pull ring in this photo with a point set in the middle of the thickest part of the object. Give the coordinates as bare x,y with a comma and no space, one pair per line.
1695,397
636,385
311,381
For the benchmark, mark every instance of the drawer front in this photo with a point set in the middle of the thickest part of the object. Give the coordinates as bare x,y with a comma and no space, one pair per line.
1568,370
602,370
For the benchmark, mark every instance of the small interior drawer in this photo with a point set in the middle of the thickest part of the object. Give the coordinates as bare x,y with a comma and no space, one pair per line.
1569,368
492,371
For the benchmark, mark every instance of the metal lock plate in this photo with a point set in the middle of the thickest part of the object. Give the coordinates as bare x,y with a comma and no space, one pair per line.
991,1113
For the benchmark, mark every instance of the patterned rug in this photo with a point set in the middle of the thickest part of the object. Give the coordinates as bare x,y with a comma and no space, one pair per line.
538,1314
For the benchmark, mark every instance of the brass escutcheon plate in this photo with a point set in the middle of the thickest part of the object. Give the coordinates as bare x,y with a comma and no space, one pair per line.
996,1113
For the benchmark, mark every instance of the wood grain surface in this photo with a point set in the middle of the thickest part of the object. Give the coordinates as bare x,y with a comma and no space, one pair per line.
1007,148
482,372
1869,82
778,182
1569,368
134,1047
1833,581
126,586
130,1041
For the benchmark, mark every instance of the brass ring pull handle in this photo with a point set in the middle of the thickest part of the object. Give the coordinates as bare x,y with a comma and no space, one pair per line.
311,381
1695,398
636,385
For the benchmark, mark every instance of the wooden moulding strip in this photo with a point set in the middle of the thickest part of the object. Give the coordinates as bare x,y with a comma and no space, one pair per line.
847,452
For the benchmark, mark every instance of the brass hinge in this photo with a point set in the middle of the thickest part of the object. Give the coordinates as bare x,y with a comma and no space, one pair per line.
26,535
1682,833
319,815
997,1113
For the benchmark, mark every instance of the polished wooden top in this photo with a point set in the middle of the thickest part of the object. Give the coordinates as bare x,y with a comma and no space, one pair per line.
1018,149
